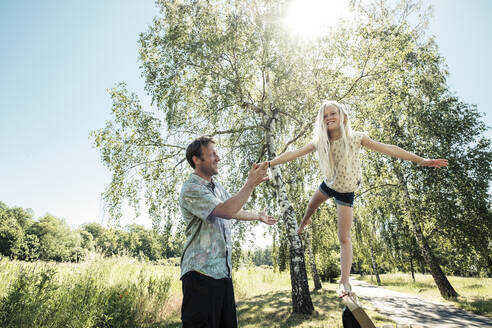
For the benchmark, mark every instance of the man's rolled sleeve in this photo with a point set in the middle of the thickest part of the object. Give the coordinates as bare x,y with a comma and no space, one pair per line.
199,200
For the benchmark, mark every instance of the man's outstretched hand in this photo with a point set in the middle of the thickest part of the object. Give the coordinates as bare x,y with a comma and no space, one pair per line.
258,174
267,219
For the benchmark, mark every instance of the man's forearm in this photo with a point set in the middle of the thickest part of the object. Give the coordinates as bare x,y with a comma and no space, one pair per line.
247,216
233,205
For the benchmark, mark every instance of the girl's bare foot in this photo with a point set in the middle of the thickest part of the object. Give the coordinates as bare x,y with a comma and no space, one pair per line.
344,289
303,225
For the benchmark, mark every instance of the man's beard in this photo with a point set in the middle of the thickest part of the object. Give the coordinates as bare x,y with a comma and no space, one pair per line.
212,171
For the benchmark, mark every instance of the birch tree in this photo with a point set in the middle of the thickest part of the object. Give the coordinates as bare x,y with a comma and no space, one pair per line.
229,69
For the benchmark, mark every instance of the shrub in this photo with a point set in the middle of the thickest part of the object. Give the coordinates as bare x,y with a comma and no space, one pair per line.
30,298
329,268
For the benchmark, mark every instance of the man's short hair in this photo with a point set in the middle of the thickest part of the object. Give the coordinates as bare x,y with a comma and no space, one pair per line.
195,148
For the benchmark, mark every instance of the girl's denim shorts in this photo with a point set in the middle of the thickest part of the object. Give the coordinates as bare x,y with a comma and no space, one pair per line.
342,198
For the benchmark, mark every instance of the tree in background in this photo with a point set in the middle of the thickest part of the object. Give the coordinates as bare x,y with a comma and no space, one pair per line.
51,239
409,105
56,240
11,236
230,70
15,242
217,68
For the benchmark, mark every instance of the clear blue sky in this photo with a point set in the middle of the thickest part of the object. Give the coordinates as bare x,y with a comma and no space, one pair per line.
58,57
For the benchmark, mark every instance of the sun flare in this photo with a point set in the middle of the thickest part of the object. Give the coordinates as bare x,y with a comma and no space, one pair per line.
312,17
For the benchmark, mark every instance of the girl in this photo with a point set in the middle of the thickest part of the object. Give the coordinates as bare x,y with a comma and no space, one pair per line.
338,148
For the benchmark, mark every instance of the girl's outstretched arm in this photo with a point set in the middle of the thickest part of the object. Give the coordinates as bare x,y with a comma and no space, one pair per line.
395,151
290,155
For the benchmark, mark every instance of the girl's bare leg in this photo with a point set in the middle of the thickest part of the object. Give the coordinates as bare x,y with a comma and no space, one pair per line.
345,216
316,200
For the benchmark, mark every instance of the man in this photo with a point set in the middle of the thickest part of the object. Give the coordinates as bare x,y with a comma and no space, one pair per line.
208,294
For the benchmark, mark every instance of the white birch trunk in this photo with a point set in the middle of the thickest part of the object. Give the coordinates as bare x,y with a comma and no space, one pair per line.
301,298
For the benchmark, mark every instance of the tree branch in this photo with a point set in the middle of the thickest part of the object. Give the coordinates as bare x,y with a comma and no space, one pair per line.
252,107
179,163
290,115
377,187
300,134
362,75
152,161
233,130
262,152
173,146
163,145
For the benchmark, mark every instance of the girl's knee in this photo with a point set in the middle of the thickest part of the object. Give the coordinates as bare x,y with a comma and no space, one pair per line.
314,203
345,239
312,206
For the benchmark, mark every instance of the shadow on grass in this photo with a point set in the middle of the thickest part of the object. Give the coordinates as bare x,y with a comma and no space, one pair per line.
476,305
274,309
167,324
473,286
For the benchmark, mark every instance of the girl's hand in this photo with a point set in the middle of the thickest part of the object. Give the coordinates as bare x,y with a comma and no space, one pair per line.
257,174
303,225
267,219
434,162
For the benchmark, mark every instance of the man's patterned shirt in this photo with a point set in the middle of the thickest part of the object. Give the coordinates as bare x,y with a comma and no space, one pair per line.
208,244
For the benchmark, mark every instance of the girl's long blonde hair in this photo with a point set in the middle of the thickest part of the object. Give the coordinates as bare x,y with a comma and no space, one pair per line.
322,143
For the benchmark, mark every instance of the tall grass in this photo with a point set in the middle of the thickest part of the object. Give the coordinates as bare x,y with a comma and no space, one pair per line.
264,299
123,292
250,281
100,293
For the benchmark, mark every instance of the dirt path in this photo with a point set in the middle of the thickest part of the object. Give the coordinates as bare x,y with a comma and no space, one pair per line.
409,309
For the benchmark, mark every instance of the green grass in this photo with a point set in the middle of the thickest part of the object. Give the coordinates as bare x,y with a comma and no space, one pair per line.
122,292
475,294
117,292
263,299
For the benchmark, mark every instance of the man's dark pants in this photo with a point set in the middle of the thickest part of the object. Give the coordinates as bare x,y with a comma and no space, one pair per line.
207,302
